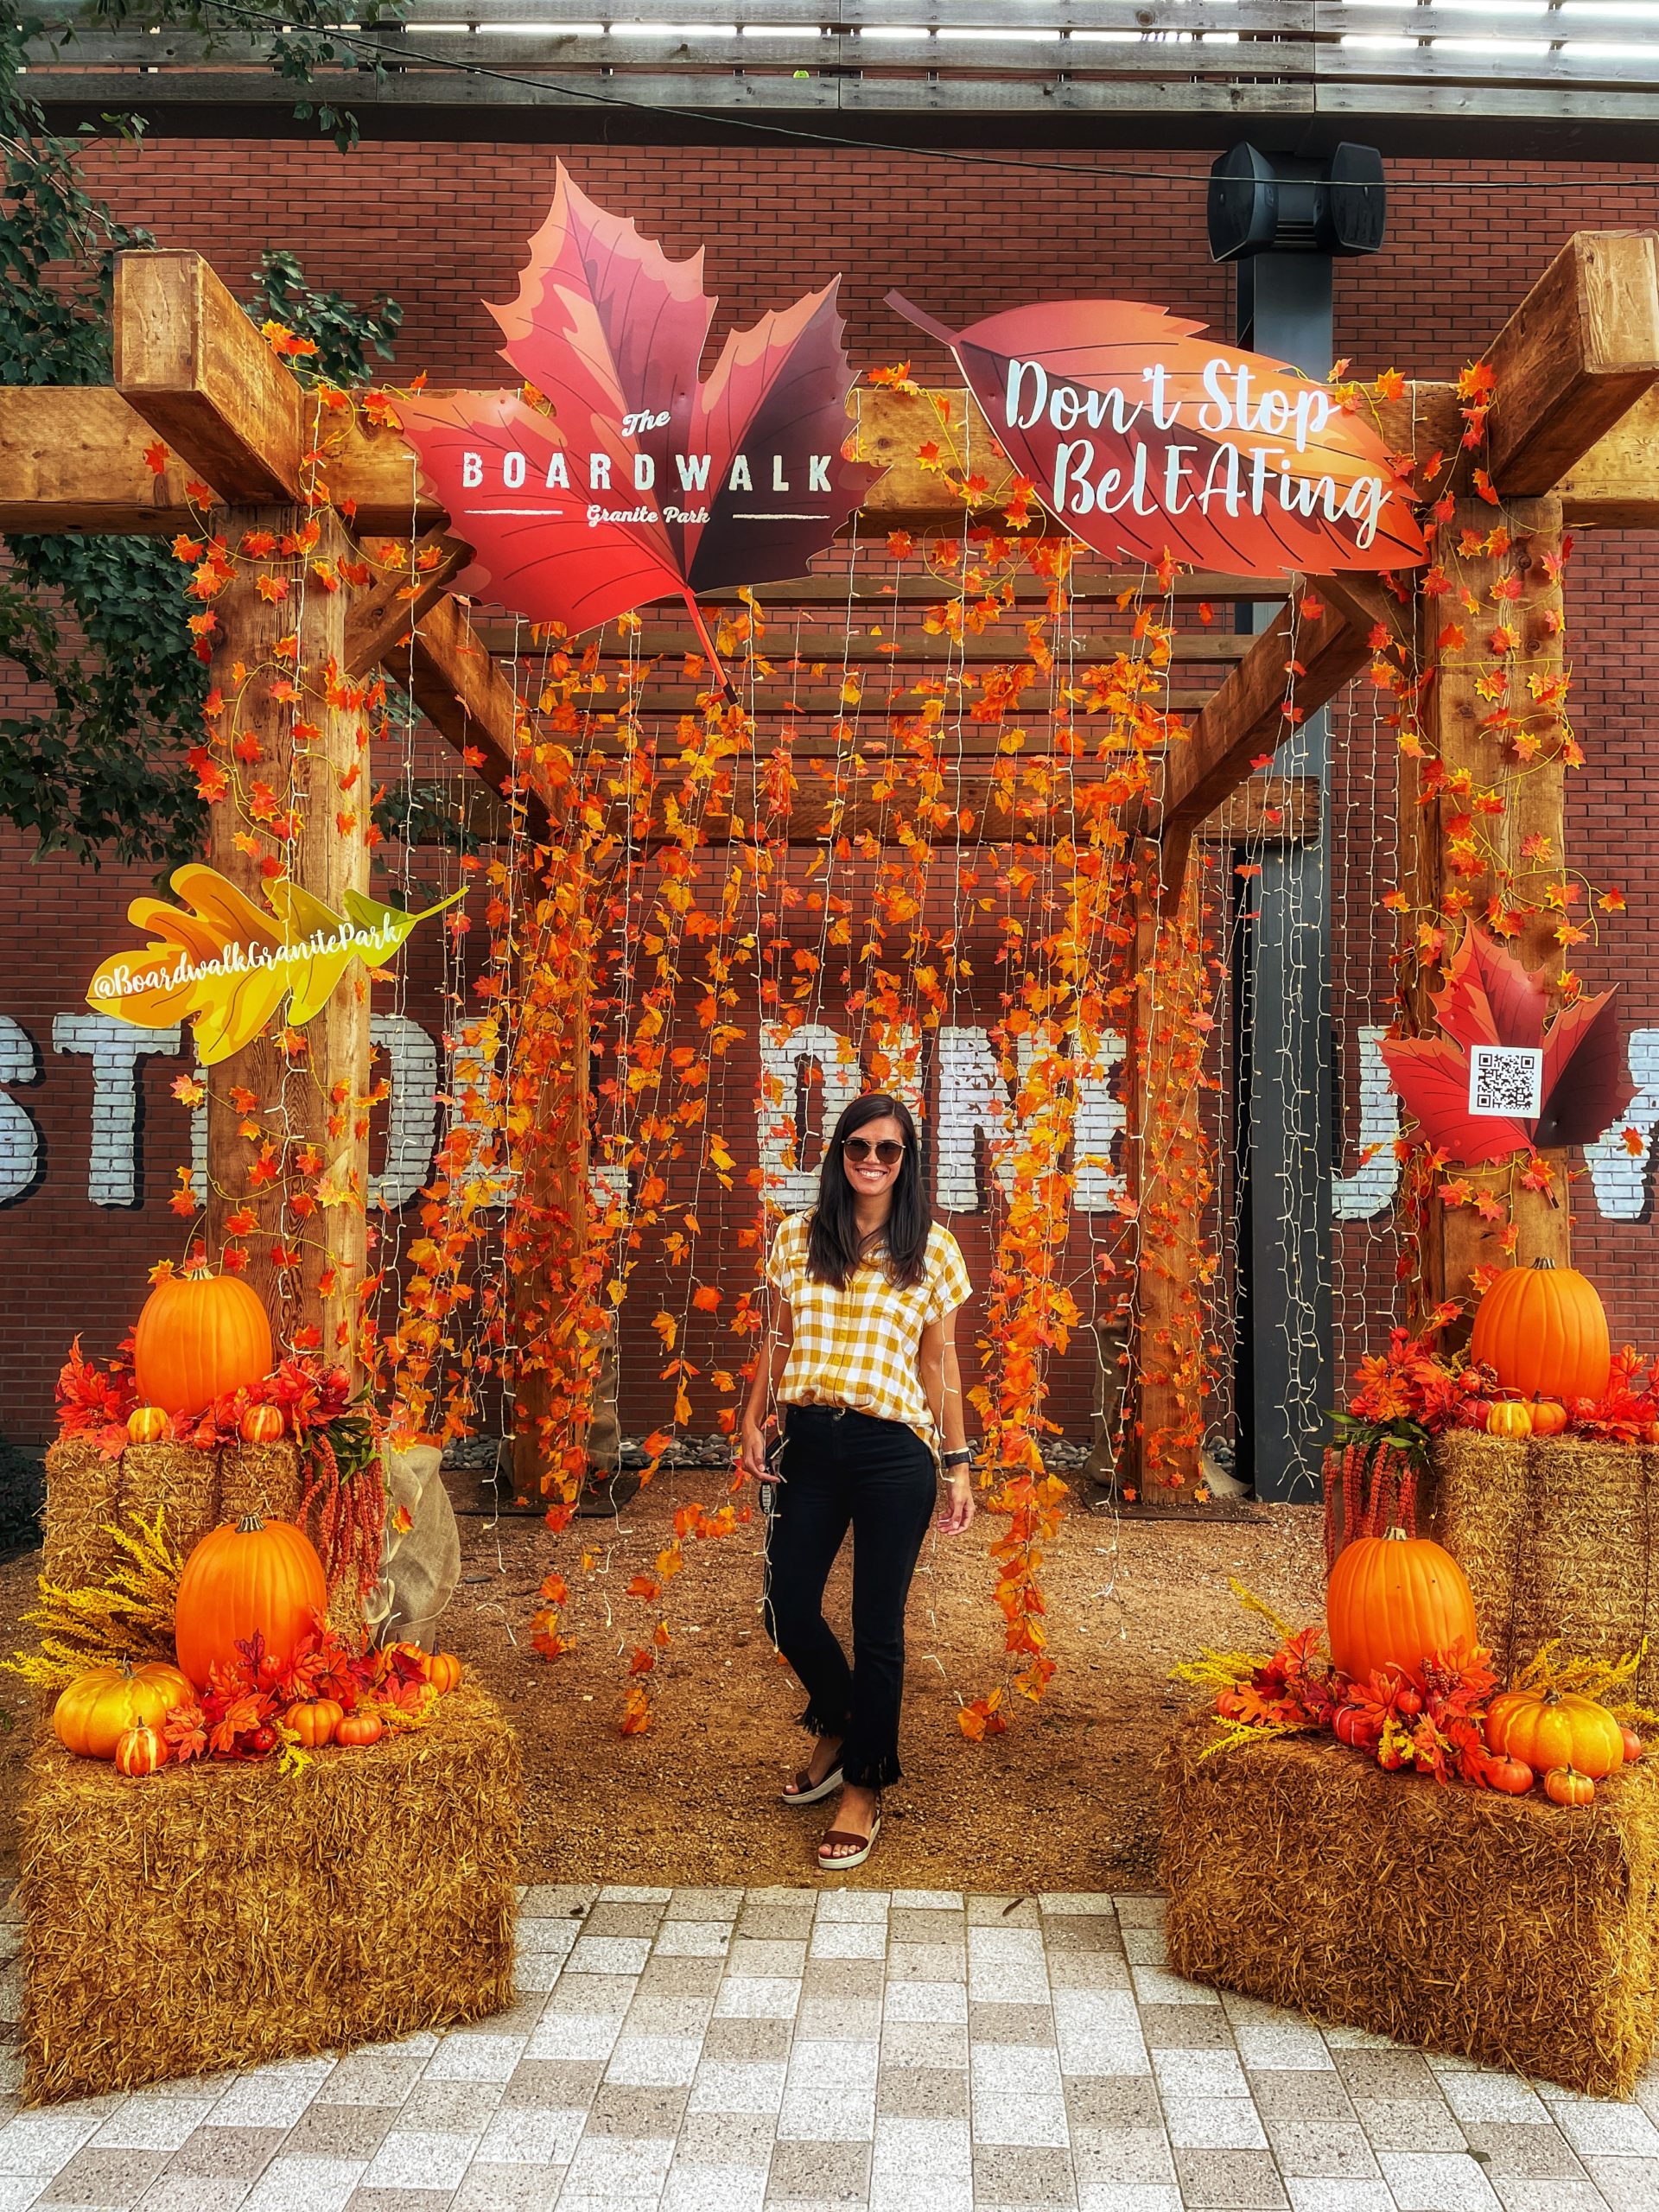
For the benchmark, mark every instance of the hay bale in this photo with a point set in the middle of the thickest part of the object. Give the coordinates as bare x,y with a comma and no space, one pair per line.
1505,1928
82,1493
1557,1538
182,1481
219,1915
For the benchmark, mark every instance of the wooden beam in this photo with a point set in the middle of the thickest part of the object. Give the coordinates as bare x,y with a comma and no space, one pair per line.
190,361
1434,856
1578,352
1612,486
72,457
385,614
1246,719
461,691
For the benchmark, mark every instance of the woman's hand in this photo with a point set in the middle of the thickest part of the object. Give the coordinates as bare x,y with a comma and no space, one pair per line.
958,1510
751,1451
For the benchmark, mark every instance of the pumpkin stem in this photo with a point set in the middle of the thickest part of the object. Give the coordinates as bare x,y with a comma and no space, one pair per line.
1395,1535
1544,1264
249,1525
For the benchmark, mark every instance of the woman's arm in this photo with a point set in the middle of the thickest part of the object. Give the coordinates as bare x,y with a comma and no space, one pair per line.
941,1381
768,1374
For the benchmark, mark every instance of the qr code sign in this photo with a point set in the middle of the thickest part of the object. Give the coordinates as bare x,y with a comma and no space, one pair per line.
1506,1079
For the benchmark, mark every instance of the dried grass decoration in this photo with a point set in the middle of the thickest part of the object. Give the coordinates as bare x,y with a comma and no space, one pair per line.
128,1617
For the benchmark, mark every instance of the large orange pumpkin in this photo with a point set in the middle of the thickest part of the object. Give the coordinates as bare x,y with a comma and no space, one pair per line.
1393,1601
1555,1728
98,1707
1544,1331
198,1337
251,1577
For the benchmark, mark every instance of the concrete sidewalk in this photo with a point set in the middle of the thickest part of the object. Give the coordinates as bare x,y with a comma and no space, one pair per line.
724,2050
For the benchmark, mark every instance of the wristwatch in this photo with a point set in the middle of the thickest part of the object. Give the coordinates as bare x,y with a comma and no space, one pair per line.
964,1457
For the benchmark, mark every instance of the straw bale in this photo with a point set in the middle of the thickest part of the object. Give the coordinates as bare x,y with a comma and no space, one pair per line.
1505,1928
179,1478
82,1493
1558,1539
223,1915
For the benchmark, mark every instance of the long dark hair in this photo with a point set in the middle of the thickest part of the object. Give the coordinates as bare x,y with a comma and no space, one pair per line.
833,1247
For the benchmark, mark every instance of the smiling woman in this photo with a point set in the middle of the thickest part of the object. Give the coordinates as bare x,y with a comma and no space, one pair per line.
862,1359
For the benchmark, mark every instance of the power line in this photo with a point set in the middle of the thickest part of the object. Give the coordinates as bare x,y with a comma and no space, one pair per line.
568,94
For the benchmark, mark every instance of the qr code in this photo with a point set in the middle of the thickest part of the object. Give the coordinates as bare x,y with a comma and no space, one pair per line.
1506,1079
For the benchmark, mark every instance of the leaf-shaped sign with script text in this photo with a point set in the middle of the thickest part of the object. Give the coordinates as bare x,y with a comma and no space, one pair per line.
615,478
1146,439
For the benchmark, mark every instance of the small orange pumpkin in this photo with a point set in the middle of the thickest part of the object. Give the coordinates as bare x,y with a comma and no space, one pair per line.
1513,1777
1548,1417
443,1672
98,1707
1543,1331
1393,1601
198,1337
1633,1744
314,1721
1565,1785
359,1728
139,1751
249,1578
148,1424
263,1424
1552,1728
1507,1418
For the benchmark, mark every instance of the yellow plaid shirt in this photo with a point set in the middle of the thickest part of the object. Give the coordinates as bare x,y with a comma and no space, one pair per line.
861,1346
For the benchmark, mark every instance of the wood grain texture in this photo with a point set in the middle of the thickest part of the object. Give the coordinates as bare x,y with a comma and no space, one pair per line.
191,364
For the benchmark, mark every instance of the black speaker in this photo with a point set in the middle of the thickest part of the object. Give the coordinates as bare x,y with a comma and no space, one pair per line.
1258,204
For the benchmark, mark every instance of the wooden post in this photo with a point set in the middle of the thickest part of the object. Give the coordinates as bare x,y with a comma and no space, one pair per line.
1166,1158
1443,886
311,1083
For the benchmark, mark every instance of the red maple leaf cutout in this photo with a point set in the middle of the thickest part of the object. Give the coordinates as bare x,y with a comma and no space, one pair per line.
1225,460
615,478
1490,999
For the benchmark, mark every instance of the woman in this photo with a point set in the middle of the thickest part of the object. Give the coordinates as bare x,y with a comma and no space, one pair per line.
861,1356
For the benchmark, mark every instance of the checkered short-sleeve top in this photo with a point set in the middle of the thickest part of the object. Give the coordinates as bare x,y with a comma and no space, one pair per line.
860,1346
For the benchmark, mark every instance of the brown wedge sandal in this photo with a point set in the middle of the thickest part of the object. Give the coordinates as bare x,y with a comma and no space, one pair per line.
808,1792
829,1863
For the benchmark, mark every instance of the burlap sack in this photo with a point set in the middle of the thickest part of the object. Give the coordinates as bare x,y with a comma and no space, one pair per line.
420,1565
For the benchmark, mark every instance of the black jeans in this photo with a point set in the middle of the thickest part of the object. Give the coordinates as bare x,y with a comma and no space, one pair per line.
839,1469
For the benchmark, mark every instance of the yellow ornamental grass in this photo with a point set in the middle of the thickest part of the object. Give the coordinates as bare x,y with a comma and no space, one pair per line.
131,1616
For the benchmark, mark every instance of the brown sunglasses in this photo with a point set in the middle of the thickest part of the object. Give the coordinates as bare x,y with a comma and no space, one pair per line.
888,1153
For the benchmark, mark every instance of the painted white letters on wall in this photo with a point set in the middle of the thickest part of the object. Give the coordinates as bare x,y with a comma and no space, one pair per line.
1370,1190
115,1049
20,1140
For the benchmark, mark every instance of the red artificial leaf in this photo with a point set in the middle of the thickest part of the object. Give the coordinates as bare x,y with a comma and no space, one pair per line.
1490,999
640,483
1147,441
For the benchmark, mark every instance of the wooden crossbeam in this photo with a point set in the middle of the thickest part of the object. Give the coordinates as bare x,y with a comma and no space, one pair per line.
190,362
1246,719
458,687
1574,356
385,614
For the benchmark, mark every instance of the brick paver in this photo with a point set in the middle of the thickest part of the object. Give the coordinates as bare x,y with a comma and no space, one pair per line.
796,2050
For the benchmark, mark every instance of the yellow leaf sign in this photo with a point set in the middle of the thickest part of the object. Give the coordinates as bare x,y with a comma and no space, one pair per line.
228,967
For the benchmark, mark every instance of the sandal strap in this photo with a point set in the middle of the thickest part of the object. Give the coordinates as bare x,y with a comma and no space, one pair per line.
849,1835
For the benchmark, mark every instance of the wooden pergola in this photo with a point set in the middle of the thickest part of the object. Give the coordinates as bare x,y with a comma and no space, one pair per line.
1571,441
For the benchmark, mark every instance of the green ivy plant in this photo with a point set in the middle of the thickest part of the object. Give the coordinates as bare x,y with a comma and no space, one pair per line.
95,627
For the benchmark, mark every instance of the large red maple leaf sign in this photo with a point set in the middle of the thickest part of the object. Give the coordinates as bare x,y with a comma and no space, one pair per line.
612,477
1502,1079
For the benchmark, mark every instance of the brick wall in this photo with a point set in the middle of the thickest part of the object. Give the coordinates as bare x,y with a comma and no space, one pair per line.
442,227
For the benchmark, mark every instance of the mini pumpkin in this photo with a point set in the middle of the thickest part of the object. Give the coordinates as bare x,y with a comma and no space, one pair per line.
1555,1728
443,1672
1565,1785
1513,1777
1509,1419
361,1728
1543,1331
1548,1417
139,1751
1393,1602
98,1707
263,1424
198,1336
315,1720
1633,1744
148,1424
249,1578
